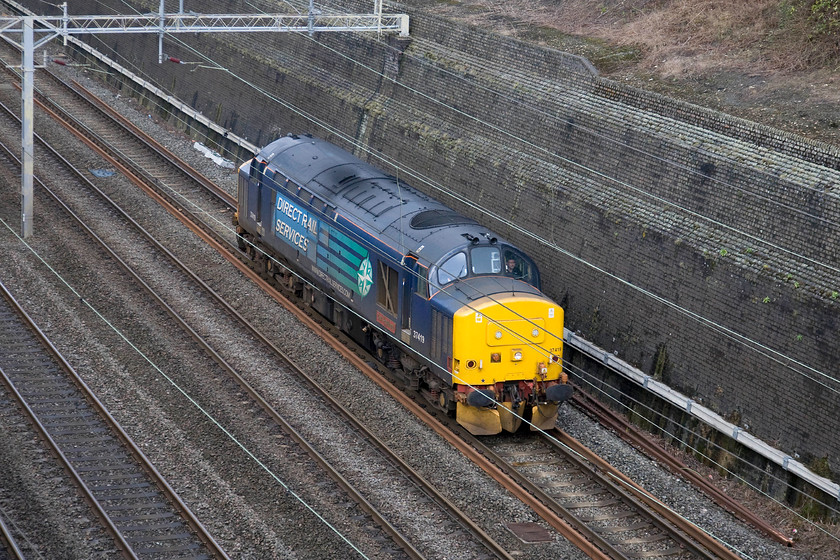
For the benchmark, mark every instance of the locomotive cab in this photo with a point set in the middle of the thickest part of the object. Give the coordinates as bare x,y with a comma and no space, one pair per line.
506,339
507,362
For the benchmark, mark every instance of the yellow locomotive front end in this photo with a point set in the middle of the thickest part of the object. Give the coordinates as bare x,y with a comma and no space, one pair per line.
507,363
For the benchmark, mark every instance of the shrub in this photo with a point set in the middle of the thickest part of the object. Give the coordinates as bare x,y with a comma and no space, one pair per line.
826,16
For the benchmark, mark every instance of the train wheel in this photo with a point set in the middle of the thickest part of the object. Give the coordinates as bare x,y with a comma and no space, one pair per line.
445,402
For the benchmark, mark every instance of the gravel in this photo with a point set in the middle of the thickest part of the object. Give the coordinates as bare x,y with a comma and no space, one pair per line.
244,508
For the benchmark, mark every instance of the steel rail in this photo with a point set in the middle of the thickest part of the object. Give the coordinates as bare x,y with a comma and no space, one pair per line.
155,146
588,542
628,432
562,527
186,217
575,521
184,510
87,494
227,252
398,537
711,547
7,536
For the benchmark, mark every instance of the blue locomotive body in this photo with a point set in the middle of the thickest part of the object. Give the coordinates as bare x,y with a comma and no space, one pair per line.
398,271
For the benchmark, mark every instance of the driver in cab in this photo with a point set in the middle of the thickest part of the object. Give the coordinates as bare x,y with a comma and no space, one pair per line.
512,268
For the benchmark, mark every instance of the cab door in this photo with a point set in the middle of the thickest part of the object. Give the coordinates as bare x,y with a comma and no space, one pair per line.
420,313
255,188
407,288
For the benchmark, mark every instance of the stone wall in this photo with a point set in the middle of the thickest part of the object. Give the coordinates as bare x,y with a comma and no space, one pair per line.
691,243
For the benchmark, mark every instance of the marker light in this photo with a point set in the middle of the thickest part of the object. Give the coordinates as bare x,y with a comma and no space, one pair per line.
495,358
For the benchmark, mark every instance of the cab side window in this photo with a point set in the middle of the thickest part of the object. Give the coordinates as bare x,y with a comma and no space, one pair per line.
513,265
422,283
454,267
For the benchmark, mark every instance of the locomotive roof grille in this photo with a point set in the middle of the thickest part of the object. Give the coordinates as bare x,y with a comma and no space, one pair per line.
362,202
372,196
428,219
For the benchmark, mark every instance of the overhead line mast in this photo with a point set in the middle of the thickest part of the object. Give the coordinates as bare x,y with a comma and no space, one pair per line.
25,27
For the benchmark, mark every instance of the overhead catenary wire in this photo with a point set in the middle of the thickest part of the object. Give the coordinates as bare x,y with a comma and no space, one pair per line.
777,356
576,101
783,357
206,413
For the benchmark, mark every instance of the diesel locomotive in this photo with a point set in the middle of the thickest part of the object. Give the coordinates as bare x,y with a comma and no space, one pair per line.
452,307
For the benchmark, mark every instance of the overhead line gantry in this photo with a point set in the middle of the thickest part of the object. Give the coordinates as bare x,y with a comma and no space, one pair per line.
161,24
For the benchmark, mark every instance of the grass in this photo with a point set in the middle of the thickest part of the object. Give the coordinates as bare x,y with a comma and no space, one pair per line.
766,61
673,36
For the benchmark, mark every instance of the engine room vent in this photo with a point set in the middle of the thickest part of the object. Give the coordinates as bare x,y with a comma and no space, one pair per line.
437,218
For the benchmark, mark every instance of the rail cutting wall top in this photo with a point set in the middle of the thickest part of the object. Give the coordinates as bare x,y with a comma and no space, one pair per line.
161,24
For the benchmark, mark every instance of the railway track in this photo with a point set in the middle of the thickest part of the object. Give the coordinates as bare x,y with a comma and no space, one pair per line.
136,505
632,435
452,519
586,499
646,536
598,501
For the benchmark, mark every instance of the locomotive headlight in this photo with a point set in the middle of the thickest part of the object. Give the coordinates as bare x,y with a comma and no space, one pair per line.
535,333
498,335
516,355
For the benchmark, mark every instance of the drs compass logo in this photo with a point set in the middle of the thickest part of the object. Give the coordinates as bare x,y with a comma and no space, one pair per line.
365,277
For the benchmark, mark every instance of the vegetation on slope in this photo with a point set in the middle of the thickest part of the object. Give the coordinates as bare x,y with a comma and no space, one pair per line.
770,61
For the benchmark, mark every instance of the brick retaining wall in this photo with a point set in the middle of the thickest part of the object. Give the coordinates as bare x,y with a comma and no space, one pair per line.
626,198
